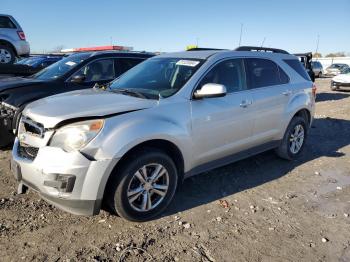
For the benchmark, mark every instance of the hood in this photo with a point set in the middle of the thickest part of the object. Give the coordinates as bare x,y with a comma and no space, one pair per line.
342,78
14,82
83,103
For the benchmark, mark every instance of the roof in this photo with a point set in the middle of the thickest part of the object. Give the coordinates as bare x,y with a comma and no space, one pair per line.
192,54
115,53
222,53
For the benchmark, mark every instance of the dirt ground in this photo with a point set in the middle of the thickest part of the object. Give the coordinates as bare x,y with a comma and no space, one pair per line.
259,209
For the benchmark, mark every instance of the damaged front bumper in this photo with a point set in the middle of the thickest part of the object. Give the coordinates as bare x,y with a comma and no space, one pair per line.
68,180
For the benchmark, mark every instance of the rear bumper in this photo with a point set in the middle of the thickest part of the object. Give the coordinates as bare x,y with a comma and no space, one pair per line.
50,172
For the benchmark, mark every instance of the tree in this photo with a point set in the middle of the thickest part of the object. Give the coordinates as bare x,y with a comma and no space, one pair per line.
57,49
317,55
336,54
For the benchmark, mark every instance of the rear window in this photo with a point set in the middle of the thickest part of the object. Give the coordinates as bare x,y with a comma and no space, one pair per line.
298,67
264,72
6,22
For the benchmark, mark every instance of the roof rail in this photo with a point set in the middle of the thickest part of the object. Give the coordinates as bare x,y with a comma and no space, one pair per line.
261,49
204,49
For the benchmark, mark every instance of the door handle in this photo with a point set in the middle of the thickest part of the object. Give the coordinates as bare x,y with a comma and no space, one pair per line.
287,93
245,103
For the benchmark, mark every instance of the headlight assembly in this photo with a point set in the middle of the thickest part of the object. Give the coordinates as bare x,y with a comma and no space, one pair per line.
77,135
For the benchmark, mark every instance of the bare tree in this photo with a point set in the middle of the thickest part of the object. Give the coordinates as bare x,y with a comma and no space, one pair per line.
57,49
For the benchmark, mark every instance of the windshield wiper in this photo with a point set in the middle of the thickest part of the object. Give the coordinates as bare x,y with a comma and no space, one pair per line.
129,92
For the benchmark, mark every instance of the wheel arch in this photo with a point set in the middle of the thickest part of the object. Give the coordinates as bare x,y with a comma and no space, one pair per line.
304,113
166,146
8,43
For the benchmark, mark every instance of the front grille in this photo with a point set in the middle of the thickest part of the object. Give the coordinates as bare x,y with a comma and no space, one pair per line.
27,152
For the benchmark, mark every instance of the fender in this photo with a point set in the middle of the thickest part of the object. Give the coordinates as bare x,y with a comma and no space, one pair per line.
299,101
126,135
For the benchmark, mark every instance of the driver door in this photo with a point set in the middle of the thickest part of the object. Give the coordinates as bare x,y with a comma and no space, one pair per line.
222,126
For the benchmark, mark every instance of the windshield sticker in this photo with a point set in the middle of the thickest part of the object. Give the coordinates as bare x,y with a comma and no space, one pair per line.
190,63
71,63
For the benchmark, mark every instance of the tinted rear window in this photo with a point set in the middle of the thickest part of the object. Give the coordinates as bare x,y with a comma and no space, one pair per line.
298,67
5,22
264,72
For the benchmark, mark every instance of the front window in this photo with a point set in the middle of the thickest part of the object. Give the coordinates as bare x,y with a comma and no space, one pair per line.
99,70
158,76
62,67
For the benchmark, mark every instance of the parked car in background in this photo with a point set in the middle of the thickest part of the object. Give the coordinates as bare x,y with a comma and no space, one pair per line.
12,40
341,81
28,66
171,117
305,59
77,71
335,69
317,68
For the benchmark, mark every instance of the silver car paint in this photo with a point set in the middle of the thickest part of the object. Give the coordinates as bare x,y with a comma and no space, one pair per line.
203,130
10,35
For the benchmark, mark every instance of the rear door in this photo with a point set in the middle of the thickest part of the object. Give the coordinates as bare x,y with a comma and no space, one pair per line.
269,88
222,126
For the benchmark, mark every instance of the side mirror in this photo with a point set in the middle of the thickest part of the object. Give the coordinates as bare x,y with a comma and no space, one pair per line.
78,79
210,90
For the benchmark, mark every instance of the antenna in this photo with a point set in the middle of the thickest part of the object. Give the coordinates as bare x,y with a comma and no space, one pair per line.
240,35
262,43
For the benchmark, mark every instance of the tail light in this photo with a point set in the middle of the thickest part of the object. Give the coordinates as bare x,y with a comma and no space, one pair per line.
21,35
314,89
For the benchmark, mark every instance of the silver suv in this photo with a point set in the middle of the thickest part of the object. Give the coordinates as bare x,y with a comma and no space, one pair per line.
171,117
12,40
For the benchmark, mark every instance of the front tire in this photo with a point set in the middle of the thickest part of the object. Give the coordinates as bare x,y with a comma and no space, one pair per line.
143,187
7,56
294,139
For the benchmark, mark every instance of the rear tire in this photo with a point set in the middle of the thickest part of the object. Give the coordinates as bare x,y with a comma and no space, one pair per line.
294,139
131,192
320,74
7,55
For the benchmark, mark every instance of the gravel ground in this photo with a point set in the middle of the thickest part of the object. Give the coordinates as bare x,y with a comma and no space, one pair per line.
259,209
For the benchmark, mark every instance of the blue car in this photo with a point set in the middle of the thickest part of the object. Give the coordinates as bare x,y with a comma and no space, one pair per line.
29,66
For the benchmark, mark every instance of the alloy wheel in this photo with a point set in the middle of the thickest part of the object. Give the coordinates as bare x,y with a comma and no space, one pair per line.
296,139
148,187
5,56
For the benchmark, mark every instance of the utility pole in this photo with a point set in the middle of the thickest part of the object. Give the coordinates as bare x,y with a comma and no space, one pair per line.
318,41
240,35
262,43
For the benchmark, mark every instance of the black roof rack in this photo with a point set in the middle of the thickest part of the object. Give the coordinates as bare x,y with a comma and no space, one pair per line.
261,49
204,49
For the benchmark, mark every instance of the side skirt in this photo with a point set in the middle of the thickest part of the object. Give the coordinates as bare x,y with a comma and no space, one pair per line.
231,158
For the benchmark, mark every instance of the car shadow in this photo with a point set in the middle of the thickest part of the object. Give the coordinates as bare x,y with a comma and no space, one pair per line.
326,138
331,96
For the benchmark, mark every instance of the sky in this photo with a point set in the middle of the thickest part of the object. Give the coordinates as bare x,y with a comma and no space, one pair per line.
162,25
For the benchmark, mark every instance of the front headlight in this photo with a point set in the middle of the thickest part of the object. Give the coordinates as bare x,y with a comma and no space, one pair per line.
77,135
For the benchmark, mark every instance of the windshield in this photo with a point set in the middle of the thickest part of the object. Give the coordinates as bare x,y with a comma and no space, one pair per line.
32,61
61,67
336,65
158,76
